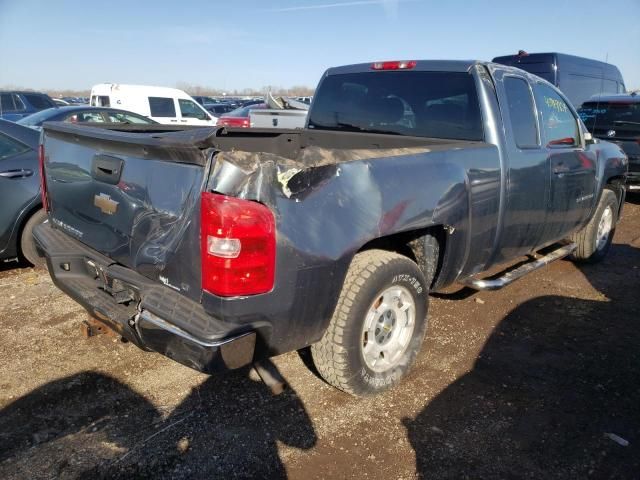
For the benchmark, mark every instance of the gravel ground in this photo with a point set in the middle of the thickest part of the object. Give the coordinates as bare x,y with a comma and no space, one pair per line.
541,380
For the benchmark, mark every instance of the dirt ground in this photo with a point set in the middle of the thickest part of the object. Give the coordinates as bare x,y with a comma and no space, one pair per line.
540,380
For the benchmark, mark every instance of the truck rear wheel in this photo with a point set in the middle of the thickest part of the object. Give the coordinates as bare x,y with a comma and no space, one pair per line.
378,325
594,240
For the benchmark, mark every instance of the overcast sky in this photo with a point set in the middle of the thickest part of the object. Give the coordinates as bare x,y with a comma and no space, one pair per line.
251,43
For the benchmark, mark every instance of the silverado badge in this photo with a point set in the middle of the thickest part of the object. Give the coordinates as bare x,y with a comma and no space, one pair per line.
104,203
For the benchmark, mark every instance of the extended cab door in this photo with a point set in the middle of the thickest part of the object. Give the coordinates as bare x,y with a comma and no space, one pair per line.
573,182
526,170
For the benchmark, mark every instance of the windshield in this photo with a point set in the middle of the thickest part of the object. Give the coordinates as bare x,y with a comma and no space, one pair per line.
423,104
611,115
37,118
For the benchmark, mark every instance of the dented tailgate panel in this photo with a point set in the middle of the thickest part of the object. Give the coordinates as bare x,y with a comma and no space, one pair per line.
136,210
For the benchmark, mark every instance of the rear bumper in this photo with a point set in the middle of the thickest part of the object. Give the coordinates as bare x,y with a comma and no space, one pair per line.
150,315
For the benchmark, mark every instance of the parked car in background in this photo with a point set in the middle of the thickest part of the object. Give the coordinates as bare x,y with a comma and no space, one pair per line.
577,77
84,114
21,205
253,101
60,102
240,116
162,104
205,100
219,108
616,118
76,100
16,104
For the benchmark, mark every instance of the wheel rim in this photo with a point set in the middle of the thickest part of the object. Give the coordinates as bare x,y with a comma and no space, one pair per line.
388,328
604,228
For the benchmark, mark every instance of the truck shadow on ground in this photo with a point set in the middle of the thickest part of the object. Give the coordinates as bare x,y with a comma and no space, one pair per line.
93,426
554,378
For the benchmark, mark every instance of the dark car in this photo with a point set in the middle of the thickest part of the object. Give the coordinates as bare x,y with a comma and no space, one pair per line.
239,117
19,192
219,109
246,103
579,78
616,118
15,105
205,100
84,114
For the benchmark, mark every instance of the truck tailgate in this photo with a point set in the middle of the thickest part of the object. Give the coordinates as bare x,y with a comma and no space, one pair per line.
131,197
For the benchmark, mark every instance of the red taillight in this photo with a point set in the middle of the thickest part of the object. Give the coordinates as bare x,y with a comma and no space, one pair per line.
233,122
43,180
238,246
395,65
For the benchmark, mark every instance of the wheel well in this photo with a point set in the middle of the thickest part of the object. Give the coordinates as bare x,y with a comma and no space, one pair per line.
617,185
411,244
23,223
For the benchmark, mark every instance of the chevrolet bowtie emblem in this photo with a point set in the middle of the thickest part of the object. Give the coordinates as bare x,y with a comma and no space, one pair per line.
105,204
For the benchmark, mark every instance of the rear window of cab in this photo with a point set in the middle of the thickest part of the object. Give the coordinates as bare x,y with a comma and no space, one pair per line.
415,103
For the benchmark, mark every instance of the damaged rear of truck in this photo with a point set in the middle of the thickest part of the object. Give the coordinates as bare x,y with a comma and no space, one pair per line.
220,247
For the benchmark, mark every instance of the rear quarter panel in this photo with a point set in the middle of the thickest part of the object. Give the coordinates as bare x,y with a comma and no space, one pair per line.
342,207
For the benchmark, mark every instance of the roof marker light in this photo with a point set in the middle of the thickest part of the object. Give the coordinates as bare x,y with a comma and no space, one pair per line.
394,65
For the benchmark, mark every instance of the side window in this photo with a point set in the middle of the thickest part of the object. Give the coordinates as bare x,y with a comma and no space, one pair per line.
85,117
162,107
119,117
6,103
521,112
40,102
10,147
189,109
18,103
558,123
103,101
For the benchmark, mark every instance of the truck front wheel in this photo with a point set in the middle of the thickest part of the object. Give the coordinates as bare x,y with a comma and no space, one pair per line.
378,325
594,240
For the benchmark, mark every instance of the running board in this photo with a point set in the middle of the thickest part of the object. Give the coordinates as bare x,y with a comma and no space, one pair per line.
510,277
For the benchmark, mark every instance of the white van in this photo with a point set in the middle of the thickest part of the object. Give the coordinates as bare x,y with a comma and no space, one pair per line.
164,105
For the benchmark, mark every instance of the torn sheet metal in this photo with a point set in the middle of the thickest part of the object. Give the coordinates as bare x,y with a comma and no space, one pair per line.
243,174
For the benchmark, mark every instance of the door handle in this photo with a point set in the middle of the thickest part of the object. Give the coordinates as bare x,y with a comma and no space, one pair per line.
107,169
21,173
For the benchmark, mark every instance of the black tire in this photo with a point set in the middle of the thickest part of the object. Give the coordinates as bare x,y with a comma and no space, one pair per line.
589,250
27,243
339,355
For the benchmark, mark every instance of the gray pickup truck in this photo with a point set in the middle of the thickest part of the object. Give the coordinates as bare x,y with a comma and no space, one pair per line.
222,247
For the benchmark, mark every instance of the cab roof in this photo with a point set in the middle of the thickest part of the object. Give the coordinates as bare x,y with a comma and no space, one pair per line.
421,66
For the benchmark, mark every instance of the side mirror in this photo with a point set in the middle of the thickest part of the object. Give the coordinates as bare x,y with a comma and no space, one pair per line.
588,138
